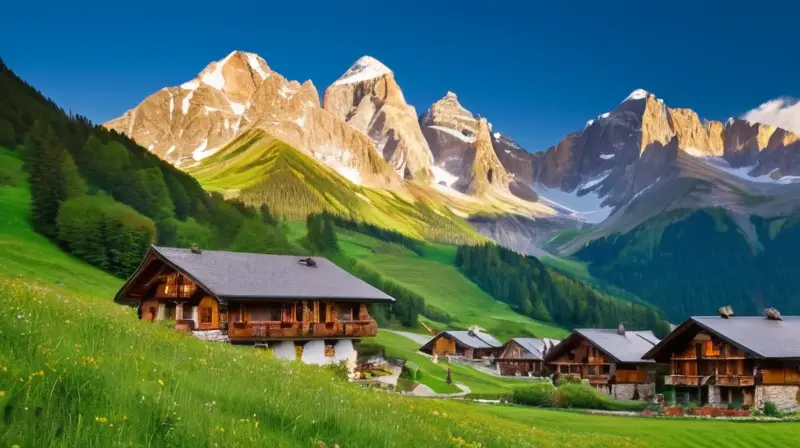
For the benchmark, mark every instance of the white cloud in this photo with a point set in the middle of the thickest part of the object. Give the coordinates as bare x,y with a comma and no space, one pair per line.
781,112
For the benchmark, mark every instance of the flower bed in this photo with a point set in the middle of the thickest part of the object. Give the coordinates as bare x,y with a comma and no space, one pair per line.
719,412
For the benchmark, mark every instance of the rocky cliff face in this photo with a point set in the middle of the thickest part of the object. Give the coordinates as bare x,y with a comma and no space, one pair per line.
463,148
186,124
367,97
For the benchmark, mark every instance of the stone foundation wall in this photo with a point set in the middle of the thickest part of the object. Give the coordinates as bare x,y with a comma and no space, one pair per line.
625,391
784,396
211,335
714,396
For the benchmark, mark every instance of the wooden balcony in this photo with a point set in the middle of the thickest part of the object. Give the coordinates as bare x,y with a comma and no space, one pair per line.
682,380
735,380
267,331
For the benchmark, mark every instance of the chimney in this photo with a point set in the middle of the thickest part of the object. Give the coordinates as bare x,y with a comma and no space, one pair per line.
725,312
772,314
621,329
196,249
308,262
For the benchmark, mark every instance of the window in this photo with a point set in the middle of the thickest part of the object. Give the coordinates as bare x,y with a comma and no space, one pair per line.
348,311
564,368
592,370
270,313
170,311
606,369
187,312
206,315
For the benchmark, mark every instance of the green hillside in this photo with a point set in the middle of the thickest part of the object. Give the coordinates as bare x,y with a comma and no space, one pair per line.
260,169
77,369
668,262
434,277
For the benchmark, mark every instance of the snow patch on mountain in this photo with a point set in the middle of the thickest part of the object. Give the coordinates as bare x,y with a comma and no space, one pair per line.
252,61
607,156
201,152
592,182
299,122
454,133
185,103
364,69
442,176
744,172
638,94
190,85
214,78
584,207
237,108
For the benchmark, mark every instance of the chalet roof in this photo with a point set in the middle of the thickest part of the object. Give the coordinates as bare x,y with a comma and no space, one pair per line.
230,275
759,336
628,347
535,347
471,339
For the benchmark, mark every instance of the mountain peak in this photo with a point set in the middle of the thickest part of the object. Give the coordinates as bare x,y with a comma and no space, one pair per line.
451,94
363,69
638,94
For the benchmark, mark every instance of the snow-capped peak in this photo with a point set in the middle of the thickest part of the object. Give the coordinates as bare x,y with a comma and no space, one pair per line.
638,94
214,77
365,68
254,61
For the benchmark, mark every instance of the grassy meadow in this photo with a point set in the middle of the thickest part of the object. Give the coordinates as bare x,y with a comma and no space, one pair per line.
77,370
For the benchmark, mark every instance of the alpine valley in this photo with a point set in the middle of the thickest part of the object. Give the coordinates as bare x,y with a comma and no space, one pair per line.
647,197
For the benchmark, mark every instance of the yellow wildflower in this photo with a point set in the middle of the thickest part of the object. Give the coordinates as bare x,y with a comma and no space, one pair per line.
41,373
14,446
2,393
160,382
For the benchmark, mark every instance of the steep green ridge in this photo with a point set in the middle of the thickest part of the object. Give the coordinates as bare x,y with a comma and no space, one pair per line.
260,169
669,261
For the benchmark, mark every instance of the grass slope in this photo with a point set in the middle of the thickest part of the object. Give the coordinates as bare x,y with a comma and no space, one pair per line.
677,433
434,375
443,286
261,169
78,370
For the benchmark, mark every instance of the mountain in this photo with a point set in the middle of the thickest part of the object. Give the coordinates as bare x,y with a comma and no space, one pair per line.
189,123
368,97
462,148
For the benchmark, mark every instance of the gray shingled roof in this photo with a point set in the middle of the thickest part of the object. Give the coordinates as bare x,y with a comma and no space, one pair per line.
760,336
533,346
625,348
475,340
243,275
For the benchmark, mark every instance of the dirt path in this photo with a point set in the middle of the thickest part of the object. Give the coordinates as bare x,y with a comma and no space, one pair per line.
419,338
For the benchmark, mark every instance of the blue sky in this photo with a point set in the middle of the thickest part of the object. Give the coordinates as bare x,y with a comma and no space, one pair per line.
536,70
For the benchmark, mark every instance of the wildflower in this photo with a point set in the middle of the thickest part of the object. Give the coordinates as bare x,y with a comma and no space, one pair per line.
160,382
41,373
2,393
14,446
124,417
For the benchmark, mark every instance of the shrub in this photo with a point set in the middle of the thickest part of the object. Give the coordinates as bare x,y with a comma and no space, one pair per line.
568,379
437,314
771,409
586,397
541,395
411,371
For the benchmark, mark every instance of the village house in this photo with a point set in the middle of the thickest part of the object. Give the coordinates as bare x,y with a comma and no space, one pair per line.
468,344
610,359
307,309
723,360
524,356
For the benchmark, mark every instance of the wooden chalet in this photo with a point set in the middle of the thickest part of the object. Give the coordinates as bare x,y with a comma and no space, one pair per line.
610,359
281,301
468,344
725,360
524,356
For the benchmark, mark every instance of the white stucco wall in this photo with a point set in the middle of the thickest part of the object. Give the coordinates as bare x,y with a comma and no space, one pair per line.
284,350
344,351
314,353
195,317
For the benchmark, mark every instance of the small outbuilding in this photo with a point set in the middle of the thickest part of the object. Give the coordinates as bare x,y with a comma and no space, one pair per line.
524,356
469,344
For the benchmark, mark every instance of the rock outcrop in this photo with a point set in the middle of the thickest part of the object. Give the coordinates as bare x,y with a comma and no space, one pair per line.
367,97
186,124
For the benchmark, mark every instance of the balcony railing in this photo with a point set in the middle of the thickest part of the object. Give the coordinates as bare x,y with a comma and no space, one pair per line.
682,380
264,331
735,380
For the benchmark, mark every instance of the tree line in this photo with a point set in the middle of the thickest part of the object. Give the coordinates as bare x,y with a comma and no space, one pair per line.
694,263
534,290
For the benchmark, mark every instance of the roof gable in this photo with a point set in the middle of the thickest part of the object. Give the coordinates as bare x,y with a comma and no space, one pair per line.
758,336
627,348
470,339
231,275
